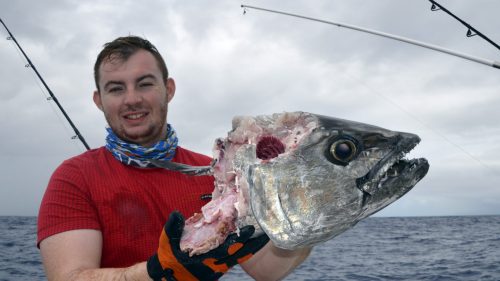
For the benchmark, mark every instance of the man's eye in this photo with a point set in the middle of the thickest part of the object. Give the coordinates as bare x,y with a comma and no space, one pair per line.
115,89
147,84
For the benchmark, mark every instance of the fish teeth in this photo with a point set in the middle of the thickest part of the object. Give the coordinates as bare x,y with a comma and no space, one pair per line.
383,173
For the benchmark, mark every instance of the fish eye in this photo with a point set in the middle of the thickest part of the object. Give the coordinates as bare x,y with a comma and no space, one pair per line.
343,151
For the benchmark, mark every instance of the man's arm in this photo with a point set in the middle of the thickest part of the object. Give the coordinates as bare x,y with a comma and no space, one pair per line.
76,255
272,263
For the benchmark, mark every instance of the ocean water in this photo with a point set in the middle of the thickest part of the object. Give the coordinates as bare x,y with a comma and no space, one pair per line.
411,248
19,256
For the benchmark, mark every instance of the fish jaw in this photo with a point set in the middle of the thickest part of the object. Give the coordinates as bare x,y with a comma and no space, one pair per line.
390,188
306,197
392,177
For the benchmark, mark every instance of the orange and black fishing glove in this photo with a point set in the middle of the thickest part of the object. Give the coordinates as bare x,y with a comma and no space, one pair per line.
170,263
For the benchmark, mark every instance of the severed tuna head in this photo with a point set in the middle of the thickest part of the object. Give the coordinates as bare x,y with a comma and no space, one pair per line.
301,178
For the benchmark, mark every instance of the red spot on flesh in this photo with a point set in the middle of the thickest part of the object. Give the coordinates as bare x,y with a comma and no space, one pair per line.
269,147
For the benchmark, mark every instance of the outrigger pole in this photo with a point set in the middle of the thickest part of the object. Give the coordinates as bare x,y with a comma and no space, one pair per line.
52,96
491,63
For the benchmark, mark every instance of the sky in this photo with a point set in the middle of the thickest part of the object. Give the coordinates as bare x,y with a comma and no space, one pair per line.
227,63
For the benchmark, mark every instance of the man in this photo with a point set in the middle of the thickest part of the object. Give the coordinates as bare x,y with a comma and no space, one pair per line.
103,211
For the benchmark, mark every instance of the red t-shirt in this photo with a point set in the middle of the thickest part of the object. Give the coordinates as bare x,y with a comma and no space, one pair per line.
128,205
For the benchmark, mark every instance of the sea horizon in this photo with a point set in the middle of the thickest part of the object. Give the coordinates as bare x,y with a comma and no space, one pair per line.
465,247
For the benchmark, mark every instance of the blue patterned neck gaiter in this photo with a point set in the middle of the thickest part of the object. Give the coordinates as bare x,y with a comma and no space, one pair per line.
138,156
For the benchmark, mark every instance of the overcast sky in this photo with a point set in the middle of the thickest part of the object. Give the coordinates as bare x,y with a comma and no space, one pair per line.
226,63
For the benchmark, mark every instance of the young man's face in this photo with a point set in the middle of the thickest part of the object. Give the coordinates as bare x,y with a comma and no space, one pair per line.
134,98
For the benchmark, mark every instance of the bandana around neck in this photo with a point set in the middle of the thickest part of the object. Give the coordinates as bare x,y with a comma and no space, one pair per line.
138,156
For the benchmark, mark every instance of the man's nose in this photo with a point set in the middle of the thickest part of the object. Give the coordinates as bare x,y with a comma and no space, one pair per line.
132,97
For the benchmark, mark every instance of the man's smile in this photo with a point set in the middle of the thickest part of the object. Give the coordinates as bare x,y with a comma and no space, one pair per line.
135,116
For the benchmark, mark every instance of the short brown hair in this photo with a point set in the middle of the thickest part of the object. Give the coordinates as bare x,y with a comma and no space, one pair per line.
122,48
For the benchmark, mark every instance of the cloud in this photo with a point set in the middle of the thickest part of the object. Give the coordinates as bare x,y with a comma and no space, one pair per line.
226,64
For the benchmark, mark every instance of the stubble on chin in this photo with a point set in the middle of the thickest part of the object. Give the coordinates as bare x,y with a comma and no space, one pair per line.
151,135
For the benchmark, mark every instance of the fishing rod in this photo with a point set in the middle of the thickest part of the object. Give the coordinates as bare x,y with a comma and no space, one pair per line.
52,96
491,63
494,64
471,31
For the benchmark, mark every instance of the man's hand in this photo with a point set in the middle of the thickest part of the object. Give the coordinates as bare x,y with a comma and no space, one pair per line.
173,264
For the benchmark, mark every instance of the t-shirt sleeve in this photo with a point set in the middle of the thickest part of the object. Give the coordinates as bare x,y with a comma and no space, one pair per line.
66,204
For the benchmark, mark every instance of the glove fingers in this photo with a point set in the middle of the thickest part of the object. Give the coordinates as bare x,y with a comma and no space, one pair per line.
174,225
257,243
245,233
244,251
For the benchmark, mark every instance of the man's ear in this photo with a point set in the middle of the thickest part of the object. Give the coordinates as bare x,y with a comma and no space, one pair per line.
170,85
97,99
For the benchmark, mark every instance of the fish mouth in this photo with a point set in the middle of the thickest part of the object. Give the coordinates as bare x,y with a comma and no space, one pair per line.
394,174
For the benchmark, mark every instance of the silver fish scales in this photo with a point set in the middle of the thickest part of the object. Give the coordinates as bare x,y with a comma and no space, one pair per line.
301,178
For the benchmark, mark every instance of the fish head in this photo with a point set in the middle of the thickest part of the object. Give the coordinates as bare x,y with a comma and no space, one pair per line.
302,178
331,174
